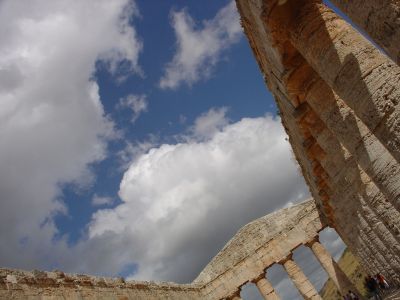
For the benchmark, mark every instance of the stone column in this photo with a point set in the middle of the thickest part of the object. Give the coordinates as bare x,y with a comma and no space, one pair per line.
351,179
372,250
379,19
340,279
305,287
391,266
236,297
360,229
369,267
339,165
360,74
370,153
266,289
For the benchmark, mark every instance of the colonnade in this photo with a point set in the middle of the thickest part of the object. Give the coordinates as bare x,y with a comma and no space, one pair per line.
339,101
249,254
299,279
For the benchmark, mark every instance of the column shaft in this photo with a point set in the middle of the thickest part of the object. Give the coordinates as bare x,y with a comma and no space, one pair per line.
360,74
340,279
360,229
367,267
338,166
366,149
266,289
305,287
379,250
349,182
368,259
379,19
371,246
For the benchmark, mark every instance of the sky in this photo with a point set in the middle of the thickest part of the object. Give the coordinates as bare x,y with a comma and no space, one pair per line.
136,138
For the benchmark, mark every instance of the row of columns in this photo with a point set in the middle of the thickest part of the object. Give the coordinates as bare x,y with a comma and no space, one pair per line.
379,19
366,237
352,92
356,198
300,280
338,97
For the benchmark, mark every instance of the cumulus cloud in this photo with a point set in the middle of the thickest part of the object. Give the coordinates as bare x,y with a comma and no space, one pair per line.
181,203
199,48
138,104
134,149
101,200
52,122
207,124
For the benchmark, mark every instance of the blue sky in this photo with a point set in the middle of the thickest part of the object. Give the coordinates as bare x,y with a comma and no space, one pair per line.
235,82
137,138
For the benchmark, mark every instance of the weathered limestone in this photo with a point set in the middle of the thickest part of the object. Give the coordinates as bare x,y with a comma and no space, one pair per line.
369,152
257,246
236,296
305,287
266,289
361,75
338,98
340,279
39,285
379,19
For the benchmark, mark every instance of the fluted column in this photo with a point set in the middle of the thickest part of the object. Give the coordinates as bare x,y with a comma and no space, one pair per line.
305,287
340,279
266,289
360,74
364,242
352,134
379,19
380,250
235,296
360,229
361,255
338,166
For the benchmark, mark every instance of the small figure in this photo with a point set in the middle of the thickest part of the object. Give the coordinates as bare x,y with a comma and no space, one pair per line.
382,281
372,286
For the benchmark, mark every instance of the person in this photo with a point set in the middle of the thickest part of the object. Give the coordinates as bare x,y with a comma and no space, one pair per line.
372,287
382,281
353,296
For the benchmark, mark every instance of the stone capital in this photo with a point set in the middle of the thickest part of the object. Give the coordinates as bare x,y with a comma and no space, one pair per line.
257,279
289,257
311,242
235,295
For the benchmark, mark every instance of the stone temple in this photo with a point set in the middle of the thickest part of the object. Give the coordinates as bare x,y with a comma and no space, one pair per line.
338,93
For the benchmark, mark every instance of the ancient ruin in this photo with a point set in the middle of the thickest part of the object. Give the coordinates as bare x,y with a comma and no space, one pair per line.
338,96
246,257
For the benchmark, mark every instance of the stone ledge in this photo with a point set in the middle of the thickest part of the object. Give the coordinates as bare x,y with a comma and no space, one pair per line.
57,278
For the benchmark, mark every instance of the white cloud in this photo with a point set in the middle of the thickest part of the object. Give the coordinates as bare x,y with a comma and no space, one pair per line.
207,124
99,201
199,49
133,150
182,202
52,122
138,104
